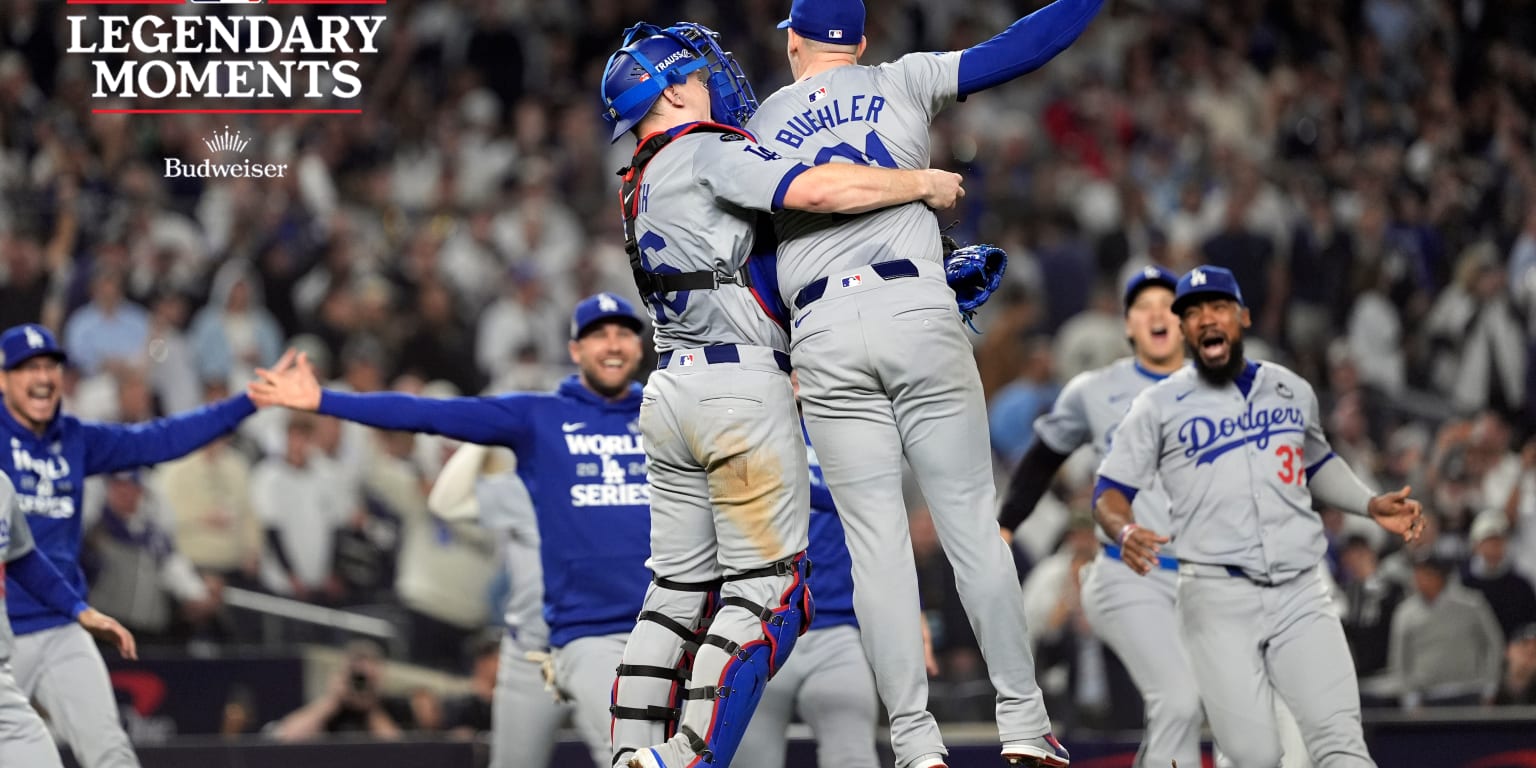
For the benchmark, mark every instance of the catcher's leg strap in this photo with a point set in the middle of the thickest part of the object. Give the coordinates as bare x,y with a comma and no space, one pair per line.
646,700
748,643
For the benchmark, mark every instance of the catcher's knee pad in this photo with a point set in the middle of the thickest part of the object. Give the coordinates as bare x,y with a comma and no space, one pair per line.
752,661
648,684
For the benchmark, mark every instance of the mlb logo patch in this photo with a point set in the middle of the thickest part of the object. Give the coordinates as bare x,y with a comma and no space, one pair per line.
817,95
835,34
685,360
852,281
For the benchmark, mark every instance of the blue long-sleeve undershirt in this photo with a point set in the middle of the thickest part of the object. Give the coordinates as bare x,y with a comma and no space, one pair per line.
1025,45
43,581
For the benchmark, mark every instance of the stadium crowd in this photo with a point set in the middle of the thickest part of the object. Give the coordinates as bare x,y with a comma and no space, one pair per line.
1365,168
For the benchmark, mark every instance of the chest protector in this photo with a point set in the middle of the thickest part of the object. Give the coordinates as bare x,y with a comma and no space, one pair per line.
758,275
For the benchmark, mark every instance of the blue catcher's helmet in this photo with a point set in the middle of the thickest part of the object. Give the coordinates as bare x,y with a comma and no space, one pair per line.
652,59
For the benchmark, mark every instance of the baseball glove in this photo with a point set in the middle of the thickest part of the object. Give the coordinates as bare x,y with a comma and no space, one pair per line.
974,272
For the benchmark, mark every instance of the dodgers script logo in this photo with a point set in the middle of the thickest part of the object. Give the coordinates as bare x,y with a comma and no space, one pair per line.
1209,439
37,482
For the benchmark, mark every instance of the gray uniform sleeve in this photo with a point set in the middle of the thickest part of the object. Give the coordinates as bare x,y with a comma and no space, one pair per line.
1065,427
741,172
931,80
20,534
1136,452
1316,446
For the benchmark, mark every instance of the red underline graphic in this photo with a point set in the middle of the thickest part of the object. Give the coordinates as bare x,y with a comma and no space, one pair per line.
227,111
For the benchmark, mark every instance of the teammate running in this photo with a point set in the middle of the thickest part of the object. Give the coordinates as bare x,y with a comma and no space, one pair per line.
579,454
725,455
1134,616
886,368
50,455
1238,448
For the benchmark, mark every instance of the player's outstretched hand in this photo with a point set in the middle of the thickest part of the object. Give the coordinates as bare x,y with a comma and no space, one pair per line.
1139,548
944,189
106,629
1399,514
290,384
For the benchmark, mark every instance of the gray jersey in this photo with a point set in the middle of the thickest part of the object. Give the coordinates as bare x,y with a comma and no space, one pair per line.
507,509
1088,411
15,541
1234,467
697,207
876,115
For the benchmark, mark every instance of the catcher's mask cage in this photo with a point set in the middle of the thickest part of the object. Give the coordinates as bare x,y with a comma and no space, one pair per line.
653,59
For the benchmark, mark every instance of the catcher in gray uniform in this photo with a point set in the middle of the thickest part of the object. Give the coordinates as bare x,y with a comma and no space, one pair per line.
724,453
886,369
1134,616
24,739
1238,448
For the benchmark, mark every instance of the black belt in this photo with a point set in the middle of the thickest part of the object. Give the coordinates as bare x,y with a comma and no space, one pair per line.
725,353
887,270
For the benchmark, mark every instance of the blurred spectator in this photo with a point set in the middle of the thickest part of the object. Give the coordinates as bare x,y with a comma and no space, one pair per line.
1491,573
1518,685
441,345
234,333
1092,339
352,701
1479,344
135,569
1073,665
1446,645
208,497
298,496
109,328
1520,510
1369,604
520,327
469,714
1014,407
172,370
445,569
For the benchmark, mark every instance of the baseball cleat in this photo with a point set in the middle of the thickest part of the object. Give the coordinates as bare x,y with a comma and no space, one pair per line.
1039,752
930,761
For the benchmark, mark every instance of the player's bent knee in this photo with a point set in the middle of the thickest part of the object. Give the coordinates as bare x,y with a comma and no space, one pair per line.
1181,706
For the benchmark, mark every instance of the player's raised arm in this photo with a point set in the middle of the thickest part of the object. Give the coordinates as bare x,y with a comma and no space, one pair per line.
485,420
1026,45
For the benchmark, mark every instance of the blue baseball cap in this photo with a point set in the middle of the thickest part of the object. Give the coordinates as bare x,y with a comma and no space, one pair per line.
603,307
1149,276
21,343
1206,283
839,22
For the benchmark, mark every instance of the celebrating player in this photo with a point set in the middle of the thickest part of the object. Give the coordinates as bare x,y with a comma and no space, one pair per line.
24,739
480,483
726,460
579,454
1238,448
50,456
1134,616
886,368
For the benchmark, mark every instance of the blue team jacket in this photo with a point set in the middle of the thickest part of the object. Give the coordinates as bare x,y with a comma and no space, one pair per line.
49,473
583,462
